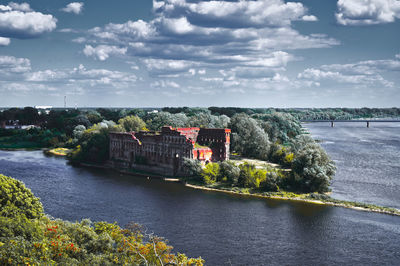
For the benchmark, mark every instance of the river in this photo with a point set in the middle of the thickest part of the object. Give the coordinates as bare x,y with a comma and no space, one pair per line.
223,229
367,160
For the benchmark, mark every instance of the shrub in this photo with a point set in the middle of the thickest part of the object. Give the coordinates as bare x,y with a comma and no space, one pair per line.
192,168
229,172
210,173
17,200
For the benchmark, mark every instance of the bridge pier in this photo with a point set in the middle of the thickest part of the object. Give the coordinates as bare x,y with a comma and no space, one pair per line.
332,124
368,124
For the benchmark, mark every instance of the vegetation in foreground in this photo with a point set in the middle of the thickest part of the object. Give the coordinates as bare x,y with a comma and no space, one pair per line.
28,237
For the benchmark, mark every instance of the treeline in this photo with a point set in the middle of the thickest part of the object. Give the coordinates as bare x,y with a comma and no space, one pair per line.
342,113
28,237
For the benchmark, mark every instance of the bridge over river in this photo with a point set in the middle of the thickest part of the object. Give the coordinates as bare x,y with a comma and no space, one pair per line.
352,121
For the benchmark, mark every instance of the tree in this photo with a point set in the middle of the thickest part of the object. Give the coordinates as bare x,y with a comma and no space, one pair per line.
132,123
229,172
312,169
78,131
248,138
192,168
210,173
160,119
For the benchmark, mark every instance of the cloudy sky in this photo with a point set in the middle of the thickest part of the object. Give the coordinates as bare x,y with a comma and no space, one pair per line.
249,53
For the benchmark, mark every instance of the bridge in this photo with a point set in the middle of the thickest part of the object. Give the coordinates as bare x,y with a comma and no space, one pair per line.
352,121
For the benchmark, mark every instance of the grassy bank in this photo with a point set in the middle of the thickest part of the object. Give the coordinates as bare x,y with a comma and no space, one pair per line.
314,198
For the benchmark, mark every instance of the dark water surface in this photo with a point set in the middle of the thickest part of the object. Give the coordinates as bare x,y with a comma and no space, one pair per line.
367,160
221,228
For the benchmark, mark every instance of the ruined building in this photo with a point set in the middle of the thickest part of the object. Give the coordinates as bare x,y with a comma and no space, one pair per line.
163,152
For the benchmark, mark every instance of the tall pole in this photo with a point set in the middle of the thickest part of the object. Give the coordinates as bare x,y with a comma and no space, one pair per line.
65,101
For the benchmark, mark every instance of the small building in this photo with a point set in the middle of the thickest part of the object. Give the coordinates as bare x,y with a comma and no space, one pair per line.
163,152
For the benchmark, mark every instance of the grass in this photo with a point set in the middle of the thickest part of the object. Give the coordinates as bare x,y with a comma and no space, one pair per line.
258,163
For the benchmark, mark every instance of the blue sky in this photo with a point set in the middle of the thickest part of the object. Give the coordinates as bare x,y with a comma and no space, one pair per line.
141,53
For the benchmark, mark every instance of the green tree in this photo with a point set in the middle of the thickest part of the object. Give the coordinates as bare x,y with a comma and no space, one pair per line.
248,138
229,172
16,199
210,173
132,123
192,168
313,169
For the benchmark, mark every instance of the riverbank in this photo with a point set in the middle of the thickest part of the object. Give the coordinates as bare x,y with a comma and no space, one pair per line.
313,198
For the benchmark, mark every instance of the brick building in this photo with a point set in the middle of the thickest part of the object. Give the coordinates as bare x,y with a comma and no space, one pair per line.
163,152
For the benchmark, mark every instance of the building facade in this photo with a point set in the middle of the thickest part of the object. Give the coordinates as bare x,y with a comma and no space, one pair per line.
163,152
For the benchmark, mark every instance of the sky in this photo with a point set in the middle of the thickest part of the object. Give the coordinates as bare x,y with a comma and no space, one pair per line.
244,53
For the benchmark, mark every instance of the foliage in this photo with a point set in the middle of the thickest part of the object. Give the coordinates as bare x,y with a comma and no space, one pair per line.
192,168
132,123
229,172
17,200
279,126
94,144
312,169
248,138
210,173
157,120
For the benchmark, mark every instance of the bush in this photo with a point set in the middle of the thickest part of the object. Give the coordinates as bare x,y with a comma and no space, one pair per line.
192,168
210,173
229,172
17,200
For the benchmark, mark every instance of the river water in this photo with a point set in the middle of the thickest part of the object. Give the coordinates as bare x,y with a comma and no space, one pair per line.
367,160
223,229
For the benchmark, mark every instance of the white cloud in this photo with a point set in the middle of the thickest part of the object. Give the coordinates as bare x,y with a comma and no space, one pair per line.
192,71
163,64
68,30
4,41
165,84
102,52
360,73
45,76
74,7
309,18
13,65
234,14
19,21
367,12
398,56
79,40
20,7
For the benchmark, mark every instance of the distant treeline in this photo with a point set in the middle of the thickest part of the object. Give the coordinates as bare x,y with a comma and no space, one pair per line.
300,113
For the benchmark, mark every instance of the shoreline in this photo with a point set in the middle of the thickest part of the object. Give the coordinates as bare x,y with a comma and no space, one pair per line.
343,204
